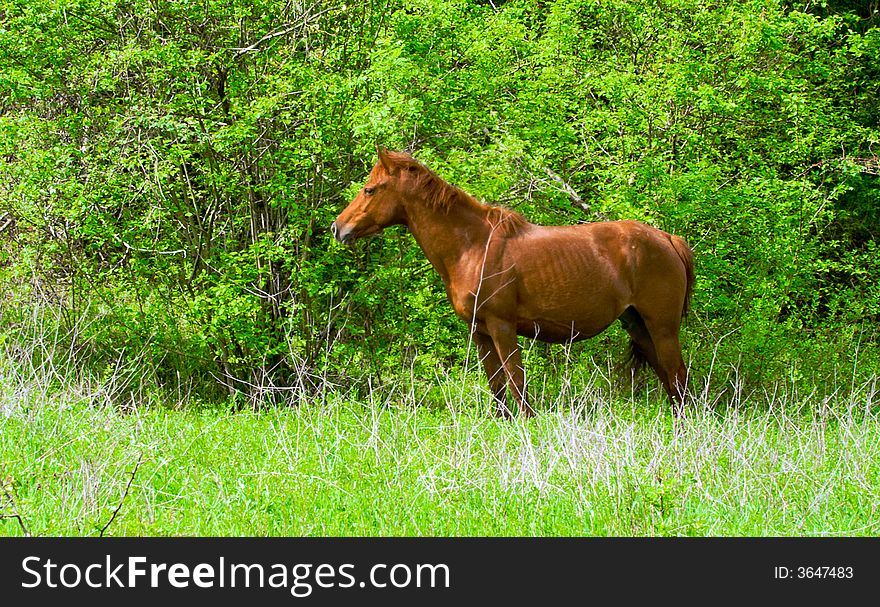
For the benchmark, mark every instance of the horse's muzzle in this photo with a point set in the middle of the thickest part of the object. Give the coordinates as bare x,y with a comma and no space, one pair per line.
342,235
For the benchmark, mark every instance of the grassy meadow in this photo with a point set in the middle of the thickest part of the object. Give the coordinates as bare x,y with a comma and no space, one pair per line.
420,459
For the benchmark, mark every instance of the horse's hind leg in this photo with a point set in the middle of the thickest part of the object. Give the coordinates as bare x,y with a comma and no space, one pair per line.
494,373
670,365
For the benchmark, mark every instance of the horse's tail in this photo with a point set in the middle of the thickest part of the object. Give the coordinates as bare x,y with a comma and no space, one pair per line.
687,258
637,359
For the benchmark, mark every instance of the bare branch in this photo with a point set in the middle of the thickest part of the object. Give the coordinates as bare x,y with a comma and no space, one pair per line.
870,165
124,495
563,185
10,503
282,31
256,45
566,188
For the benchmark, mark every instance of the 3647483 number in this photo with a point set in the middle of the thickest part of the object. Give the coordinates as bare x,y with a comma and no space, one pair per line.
824,572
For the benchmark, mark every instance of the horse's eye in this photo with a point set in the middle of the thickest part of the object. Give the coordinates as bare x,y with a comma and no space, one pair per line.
369,191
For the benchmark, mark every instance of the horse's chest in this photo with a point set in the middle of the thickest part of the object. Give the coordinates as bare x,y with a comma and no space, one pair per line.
479,285
463,302
472,302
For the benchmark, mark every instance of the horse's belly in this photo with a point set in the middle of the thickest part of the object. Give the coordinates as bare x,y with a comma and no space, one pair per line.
559,332
563,319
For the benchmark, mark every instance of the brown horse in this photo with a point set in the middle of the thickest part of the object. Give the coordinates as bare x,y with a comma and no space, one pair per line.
506,277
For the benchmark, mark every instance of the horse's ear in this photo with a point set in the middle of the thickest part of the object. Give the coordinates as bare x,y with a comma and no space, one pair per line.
384,159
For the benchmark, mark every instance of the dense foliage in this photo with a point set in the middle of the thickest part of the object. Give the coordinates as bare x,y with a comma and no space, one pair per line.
168,172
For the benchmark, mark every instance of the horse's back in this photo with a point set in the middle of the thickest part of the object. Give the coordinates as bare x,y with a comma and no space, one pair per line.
608,247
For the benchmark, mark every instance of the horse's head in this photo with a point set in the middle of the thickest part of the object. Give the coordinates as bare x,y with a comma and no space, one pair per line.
380,203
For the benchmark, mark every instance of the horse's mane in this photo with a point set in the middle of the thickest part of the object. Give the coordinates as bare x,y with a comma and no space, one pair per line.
441,195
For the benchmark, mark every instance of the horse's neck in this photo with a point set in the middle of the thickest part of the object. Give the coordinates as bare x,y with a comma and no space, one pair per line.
448,236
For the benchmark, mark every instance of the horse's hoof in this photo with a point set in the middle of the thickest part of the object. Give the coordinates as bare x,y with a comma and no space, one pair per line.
503,413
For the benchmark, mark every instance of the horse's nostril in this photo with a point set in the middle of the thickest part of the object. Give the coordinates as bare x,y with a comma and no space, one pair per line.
341,234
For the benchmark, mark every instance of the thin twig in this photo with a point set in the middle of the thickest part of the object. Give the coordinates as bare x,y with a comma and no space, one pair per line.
124,495
256,45
283,30
15,514
870,165
565,187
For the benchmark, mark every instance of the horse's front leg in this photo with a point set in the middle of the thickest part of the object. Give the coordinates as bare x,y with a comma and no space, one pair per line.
494,372
503,335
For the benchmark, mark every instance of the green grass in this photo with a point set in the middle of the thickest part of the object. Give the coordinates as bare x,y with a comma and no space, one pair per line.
430,460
